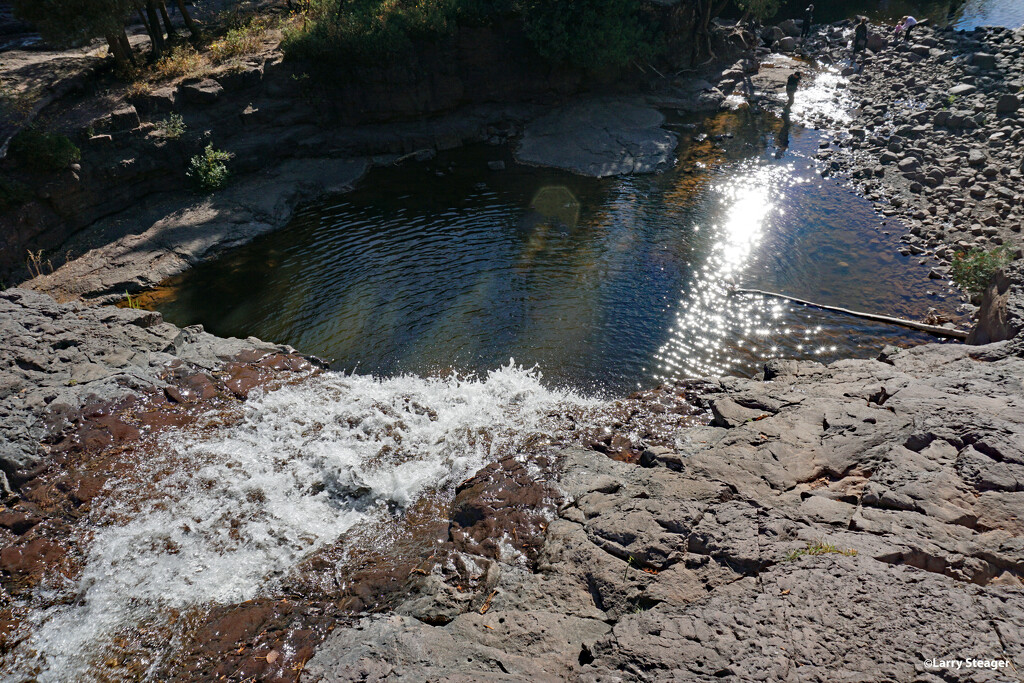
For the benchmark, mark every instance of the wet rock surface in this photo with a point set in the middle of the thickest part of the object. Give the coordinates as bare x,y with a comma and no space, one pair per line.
55,359
856,518
88,389
99,430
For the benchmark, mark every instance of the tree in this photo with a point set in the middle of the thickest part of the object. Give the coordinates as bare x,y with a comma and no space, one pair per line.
588,33
149,18
192,26
171,33
76,22
759,9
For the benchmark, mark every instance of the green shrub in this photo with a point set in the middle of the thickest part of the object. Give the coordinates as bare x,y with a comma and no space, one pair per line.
172,127
585,33
368,31
762,10
209,170
241,40
44,151
590,34
973,270
12,193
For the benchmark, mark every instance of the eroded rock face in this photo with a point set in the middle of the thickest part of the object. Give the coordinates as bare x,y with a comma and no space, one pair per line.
599,138
831,523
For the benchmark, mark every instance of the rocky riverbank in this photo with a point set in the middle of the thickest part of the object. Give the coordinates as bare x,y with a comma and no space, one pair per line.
849,522
856,521
84,390
771,543
936,137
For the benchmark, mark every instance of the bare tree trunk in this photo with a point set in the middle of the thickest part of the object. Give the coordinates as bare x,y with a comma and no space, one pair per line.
705,27
695,32
127,47
116,49
192,27
157,34
142,17
912,324
171,33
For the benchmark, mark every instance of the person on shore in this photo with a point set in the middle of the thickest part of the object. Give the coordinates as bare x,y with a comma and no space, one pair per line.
791,83
805,30
860,36
908,23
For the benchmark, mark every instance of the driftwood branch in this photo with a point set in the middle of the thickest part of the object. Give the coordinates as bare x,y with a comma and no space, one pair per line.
410,155
912,324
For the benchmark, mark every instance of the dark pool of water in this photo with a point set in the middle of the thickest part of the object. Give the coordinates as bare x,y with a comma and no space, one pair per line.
606,285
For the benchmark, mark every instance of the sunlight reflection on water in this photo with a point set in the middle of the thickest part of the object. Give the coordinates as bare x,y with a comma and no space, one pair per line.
708,314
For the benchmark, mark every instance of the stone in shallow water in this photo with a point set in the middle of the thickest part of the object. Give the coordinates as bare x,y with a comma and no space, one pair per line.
599,138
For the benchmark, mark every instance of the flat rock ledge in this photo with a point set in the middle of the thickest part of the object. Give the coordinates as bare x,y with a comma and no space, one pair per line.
173,238
839,523
599,138
57,358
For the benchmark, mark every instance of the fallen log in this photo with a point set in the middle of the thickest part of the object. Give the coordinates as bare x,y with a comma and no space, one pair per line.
936,330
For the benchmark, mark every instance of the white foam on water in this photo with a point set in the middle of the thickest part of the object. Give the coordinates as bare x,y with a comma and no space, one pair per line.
219,516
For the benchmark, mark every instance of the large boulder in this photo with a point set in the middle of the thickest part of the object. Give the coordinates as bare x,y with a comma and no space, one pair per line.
963,90
787,44
790,28
206,91
1007,104
983,60
909,165
772,34
159,101
599,138
124,118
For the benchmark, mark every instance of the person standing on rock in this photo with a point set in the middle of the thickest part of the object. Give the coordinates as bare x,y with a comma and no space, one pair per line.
860,36
805,30
907,24
791,83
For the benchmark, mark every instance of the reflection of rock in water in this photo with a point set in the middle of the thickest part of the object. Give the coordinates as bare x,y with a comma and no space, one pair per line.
557,202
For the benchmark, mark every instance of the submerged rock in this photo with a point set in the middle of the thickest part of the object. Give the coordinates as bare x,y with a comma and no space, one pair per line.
599,138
